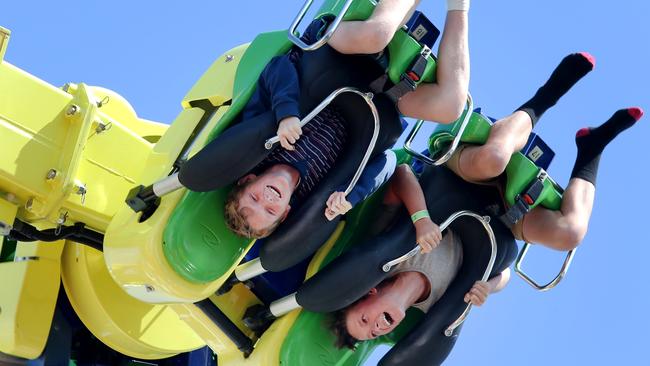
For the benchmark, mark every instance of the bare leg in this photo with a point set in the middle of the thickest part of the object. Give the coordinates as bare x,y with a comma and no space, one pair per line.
374,34
510,134
507,136
445,100
565,229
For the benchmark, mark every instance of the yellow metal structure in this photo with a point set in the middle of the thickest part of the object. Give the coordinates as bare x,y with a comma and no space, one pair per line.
70,155
73,158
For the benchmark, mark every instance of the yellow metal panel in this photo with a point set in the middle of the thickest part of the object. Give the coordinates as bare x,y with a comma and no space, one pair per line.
123,323
217,82
169,147
106,162
116,107
30,286
31,138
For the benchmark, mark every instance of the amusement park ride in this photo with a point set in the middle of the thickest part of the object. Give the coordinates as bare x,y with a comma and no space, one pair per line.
106,258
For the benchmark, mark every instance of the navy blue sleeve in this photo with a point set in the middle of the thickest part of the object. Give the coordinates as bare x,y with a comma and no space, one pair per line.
316,28
280,81
377,172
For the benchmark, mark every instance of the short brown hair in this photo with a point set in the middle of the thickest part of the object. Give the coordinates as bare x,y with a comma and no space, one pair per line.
339,327
236,222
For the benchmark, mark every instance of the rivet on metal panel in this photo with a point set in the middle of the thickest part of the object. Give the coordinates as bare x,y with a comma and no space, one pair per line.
33,204
229,58
63,217
101,127
72,110
51,174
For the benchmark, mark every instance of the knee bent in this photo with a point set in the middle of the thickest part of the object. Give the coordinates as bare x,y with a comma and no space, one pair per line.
492,160
570,238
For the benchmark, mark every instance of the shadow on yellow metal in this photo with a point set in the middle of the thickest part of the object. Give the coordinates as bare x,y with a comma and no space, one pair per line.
123,323
30,285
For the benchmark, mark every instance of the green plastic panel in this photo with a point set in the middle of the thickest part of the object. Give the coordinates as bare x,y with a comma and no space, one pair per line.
520,171
196,242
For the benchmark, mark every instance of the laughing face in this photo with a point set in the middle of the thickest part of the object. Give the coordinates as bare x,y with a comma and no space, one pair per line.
265,200
377,314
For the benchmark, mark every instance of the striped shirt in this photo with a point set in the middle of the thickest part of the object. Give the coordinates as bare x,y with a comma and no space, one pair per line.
322,140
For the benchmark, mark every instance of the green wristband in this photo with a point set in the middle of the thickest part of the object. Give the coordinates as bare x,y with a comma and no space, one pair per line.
419,215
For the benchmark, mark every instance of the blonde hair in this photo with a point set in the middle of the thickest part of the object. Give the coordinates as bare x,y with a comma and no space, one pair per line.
237,222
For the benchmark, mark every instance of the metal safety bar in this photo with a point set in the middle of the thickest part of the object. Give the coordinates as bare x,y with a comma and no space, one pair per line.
167,185
454,145
533,283
485,221
368,98
326,37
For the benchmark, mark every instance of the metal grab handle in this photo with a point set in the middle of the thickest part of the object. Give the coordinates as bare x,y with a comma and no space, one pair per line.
530,281
485,221
326,37
454,145
413,252
371,145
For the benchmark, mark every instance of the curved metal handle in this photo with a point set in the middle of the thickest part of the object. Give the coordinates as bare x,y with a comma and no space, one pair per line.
371,145
326,37
454,144
413,252
493,243
485,221
533,283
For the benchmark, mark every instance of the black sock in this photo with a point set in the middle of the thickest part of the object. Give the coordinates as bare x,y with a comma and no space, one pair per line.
592,141
571,69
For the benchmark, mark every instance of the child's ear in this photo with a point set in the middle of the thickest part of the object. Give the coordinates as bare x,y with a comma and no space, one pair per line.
373,291
245,179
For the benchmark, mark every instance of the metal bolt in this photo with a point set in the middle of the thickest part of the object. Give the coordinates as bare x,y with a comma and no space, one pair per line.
51,174
63,216
149,288
29,204
81,190
72,110
229,58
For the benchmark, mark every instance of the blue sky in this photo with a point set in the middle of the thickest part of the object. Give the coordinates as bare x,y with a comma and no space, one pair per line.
152,53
